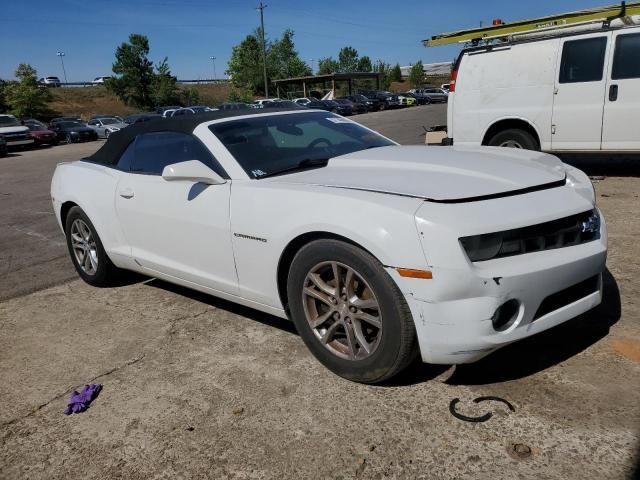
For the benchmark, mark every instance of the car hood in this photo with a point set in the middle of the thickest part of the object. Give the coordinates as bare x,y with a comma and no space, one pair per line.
440,174
8,130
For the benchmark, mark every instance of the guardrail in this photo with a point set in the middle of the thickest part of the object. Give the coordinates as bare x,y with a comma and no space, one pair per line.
200,81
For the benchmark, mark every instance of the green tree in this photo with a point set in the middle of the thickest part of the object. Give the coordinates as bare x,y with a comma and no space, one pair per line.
328,65
416,75
134,78
190,96
240,95
283,59
164,89
364,65
395,75
348,60
24,96
245,64
384,68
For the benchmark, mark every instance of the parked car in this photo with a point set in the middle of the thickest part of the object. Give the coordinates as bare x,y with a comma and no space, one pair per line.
335,107
73,132
72,118
50,82
100,80
191,110
355,107
303,101
377,252
15,134
33,121
445,87
260,103
234,106
371,104
434,95
141,117
282,104
419,99
4,150
316,104
385,99
105,126
578,92
107,115
42,135
167,110
406,100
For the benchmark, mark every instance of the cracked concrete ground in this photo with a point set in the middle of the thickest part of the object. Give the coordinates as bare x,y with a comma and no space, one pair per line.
195,387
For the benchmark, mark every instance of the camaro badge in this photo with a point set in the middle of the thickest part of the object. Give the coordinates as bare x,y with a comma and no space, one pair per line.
249,237
591,225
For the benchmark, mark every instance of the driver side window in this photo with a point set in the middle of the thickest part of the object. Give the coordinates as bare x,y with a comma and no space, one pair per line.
149,153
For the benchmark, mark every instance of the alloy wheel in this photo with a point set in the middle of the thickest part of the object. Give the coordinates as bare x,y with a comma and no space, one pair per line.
511,144
342,310
84,247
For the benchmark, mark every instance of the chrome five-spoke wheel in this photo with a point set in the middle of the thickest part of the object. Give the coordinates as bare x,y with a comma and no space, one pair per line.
84,247
342,310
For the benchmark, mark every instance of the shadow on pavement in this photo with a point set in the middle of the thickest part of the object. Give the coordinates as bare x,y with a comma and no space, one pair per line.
605,165
548,348
256,315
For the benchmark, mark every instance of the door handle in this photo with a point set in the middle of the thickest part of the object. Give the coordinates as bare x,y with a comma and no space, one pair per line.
126,193
613,93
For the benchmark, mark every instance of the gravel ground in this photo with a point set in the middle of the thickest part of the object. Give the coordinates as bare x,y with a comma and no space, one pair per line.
195,387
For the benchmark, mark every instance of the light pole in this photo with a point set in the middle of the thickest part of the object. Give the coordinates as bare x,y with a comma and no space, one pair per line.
261,7
213,62
313,67
62,54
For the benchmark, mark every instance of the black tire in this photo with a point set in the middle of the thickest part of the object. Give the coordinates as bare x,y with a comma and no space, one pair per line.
514,138
106,273
397,346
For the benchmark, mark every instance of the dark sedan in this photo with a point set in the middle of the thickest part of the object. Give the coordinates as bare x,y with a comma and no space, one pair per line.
355,107
4,150
42,135
141,117
371,104
73,132
336,107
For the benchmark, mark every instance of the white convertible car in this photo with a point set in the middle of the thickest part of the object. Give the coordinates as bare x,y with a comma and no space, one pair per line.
377,252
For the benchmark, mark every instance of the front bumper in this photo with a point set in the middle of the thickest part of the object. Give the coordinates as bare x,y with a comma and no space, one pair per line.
454,311
17,143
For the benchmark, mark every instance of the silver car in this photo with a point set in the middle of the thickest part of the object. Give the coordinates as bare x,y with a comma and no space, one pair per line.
105,126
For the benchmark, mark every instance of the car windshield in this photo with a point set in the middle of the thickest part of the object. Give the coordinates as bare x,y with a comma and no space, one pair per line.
36,128
109,121
266,145
70,124
9,121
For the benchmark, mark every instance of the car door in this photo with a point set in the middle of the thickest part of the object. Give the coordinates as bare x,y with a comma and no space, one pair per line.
177,228
96,125
622,100
579,91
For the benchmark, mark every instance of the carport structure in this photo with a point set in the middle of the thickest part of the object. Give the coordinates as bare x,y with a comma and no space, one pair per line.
323,80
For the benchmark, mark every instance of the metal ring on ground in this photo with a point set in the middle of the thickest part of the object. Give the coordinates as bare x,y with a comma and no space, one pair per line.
452,409
496,399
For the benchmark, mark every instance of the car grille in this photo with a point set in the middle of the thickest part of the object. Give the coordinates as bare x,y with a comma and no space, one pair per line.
564,232
15,137
567,296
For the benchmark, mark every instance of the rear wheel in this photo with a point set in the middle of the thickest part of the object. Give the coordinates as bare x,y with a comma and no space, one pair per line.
87,252
514,138
349,312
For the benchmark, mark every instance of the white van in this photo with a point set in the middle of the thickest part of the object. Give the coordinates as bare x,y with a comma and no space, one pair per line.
573,92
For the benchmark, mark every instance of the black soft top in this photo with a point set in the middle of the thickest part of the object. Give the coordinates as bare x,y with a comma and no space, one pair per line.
118,142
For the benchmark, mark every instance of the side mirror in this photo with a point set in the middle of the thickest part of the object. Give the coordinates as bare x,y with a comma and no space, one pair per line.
192,171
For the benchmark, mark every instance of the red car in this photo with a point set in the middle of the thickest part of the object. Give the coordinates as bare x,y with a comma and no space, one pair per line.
42,135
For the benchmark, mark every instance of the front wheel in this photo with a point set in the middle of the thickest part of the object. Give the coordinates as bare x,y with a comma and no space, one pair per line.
514,138
349,312
69,138
87,252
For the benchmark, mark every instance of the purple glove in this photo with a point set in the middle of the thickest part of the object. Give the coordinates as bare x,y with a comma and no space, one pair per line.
79,402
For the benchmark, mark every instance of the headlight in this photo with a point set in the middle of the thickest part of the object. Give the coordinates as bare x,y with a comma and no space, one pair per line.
482,247
113,129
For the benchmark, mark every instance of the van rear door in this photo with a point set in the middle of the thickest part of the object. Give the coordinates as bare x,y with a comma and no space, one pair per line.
579,93
622,102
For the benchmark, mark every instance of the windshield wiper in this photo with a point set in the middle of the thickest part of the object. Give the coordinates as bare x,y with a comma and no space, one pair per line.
305,164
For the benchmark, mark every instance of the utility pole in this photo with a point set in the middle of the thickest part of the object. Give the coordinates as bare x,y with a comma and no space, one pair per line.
62,54
213,62
313,67
261,7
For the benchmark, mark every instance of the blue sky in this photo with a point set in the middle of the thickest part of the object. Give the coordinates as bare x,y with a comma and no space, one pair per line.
191,31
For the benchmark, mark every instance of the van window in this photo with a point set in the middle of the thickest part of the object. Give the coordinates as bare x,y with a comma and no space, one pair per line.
583,60
626,56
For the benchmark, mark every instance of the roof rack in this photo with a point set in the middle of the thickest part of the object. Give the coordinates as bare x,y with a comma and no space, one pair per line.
594,18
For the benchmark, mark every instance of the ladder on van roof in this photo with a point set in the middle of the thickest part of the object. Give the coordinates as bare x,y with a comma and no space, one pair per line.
542,25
